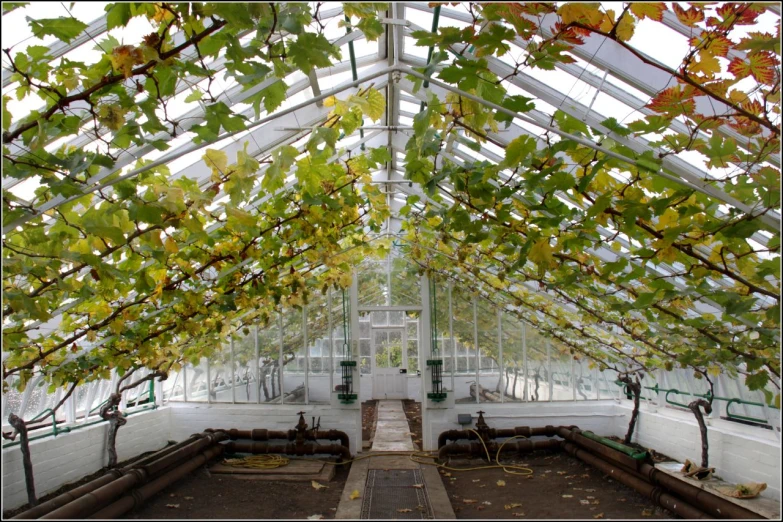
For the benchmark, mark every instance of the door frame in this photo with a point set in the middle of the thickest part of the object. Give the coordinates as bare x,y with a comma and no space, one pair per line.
403,364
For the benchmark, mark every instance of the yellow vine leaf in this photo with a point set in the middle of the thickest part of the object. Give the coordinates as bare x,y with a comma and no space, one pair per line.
652,10
584,13
707,64
124,57
625,28
377,104
170,245
217,161
541,254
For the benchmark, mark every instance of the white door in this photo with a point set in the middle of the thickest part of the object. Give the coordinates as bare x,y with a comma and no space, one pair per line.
389,357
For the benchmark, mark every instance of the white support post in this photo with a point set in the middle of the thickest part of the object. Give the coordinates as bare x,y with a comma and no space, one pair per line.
209,383
476,347
354,346
280,366
549,368
233,372
256,369
573,379
307,355
158,393
331,340
425,353
185,382
500,355
524,359
453,341
70,408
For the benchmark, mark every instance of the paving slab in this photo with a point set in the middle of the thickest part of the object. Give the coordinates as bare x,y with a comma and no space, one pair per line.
392,434
295,471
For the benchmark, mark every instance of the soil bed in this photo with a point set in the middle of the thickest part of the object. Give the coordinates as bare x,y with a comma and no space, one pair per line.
368,419
203,495
413,414
560,487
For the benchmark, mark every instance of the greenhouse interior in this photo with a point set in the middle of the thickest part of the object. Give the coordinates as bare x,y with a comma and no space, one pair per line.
391,260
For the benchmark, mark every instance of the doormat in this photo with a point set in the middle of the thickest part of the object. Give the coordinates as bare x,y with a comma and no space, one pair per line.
396,494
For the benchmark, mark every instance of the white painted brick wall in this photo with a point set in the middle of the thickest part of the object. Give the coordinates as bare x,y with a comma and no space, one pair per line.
738,453
189,418
70,456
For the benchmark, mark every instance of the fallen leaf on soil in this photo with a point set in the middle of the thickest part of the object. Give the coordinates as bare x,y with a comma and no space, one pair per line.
585,475
446,474
501,483
562,472
599,515
172,505
620,500
315,517
487,503
589,497
477,480
354,494
594,502
469,501
512,506
548,471
483,486
404,510
647,512
570,476
568,496
318,486
584,502
518,514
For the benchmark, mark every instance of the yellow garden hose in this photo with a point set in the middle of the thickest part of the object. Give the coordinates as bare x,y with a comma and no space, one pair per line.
258,462
271,461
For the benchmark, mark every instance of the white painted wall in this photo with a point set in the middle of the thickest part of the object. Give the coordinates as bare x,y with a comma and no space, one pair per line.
738,453
70,456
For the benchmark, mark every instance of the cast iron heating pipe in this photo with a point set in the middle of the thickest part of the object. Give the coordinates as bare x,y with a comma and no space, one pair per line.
88,503
142,494
256,448
494,433
112,475
267,435
654,493
476,449
710,503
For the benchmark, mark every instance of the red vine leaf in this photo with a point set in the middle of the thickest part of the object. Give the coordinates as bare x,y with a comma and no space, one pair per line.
760,65
690,17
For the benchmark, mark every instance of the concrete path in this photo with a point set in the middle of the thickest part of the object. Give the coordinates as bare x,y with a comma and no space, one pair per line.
392,434
391,431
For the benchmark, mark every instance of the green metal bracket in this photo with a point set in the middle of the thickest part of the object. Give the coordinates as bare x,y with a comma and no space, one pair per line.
743,417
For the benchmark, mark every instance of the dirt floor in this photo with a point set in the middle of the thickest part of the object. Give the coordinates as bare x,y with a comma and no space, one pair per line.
203,495
560,487
413,414
368,419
